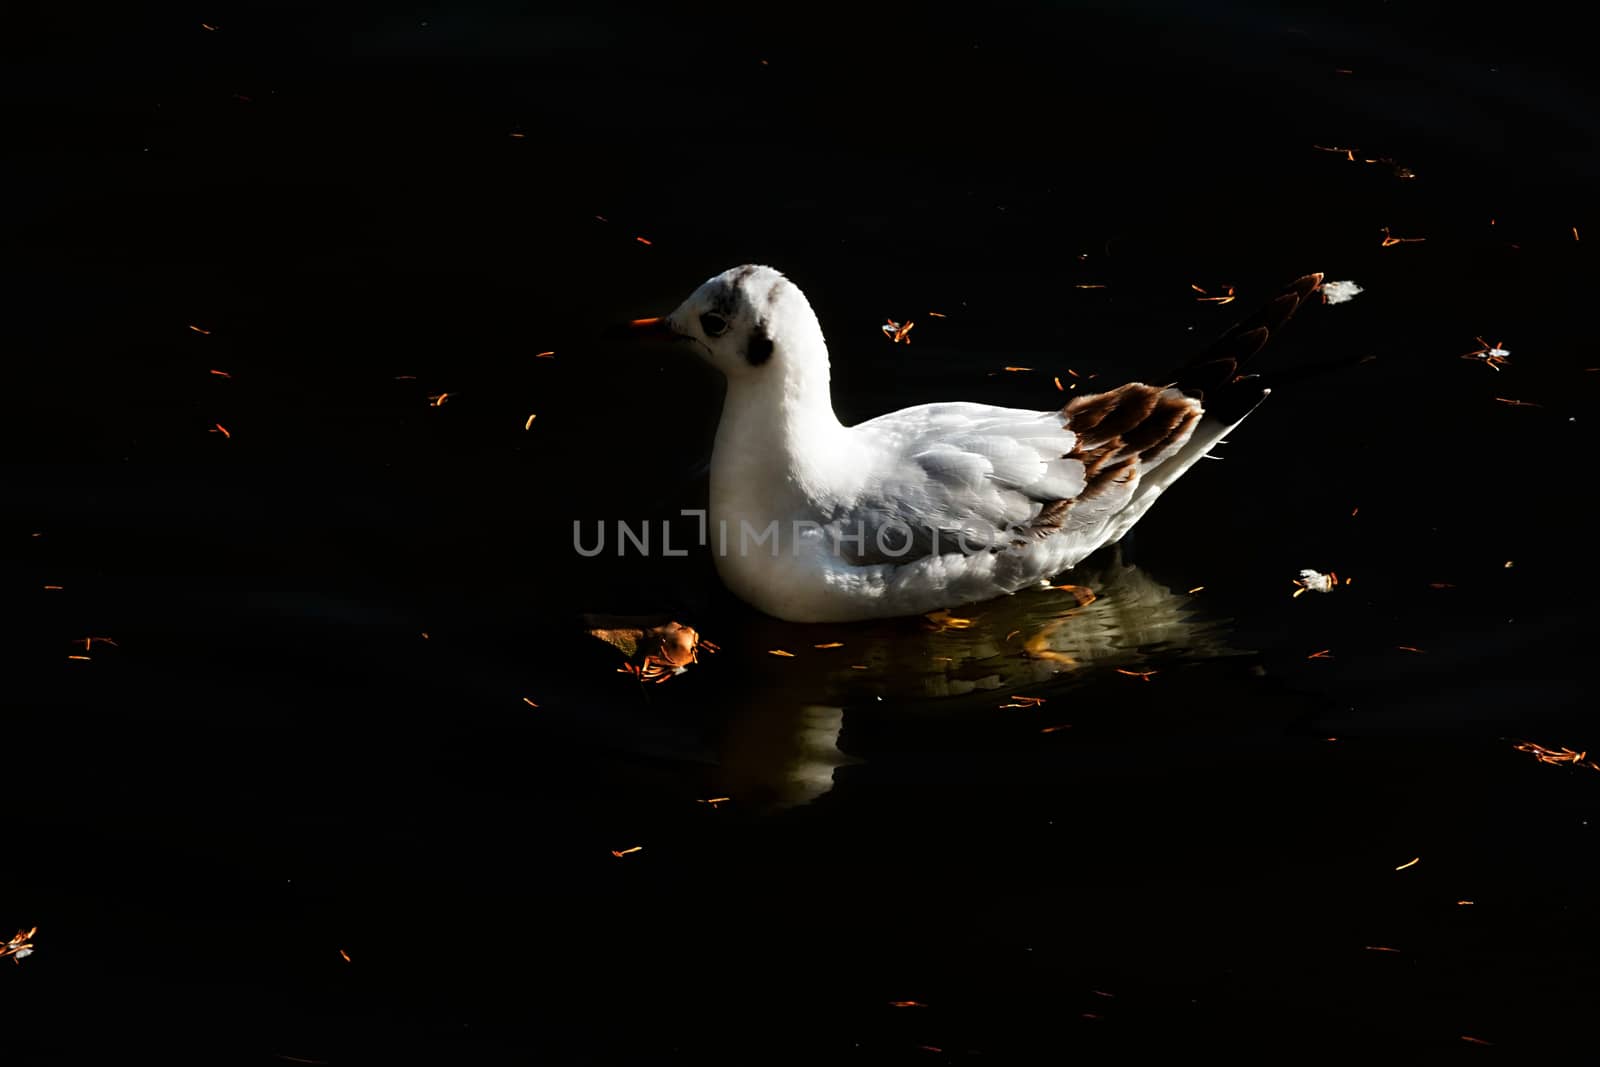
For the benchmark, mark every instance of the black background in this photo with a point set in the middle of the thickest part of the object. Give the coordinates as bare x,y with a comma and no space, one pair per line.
273,764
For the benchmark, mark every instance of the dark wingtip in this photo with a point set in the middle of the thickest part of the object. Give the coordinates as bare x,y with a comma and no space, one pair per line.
1215,375
1220,362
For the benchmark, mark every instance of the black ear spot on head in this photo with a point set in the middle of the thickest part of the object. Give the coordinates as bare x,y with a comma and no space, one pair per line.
759,350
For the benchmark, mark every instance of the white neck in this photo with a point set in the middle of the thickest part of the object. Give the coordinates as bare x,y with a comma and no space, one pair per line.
779,444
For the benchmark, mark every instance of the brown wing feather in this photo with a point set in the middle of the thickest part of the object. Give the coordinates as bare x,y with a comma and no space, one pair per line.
1118,436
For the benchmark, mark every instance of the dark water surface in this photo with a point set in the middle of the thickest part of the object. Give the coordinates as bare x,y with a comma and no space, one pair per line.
273,763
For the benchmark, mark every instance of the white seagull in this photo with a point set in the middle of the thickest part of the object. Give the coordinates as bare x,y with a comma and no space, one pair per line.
936,505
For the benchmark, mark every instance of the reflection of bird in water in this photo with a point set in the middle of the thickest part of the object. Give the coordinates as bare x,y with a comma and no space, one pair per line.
766,729
781,753
783,742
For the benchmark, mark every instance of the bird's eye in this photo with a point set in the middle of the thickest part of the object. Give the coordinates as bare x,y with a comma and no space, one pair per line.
713,325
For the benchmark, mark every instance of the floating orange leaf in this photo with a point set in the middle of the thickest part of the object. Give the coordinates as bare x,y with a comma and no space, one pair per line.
1205,299
1557,756
1492,356
897,332
1315,581
20,947
942,620
658,649
1389,239
1081,593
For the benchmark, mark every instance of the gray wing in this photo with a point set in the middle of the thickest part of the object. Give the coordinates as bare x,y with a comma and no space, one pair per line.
968,477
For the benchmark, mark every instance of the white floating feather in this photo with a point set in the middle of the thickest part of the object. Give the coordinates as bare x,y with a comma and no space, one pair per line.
1340,292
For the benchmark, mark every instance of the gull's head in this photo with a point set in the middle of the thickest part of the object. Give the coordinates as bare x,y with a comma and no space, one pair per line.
752,323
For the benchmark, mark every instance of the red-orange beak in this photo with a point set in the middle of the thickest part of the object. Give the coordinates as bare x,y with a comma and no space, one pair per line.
652,330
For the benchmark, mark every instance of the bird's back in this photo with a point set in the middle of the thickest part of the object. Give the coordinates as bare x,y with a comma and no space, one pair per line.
1005,479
